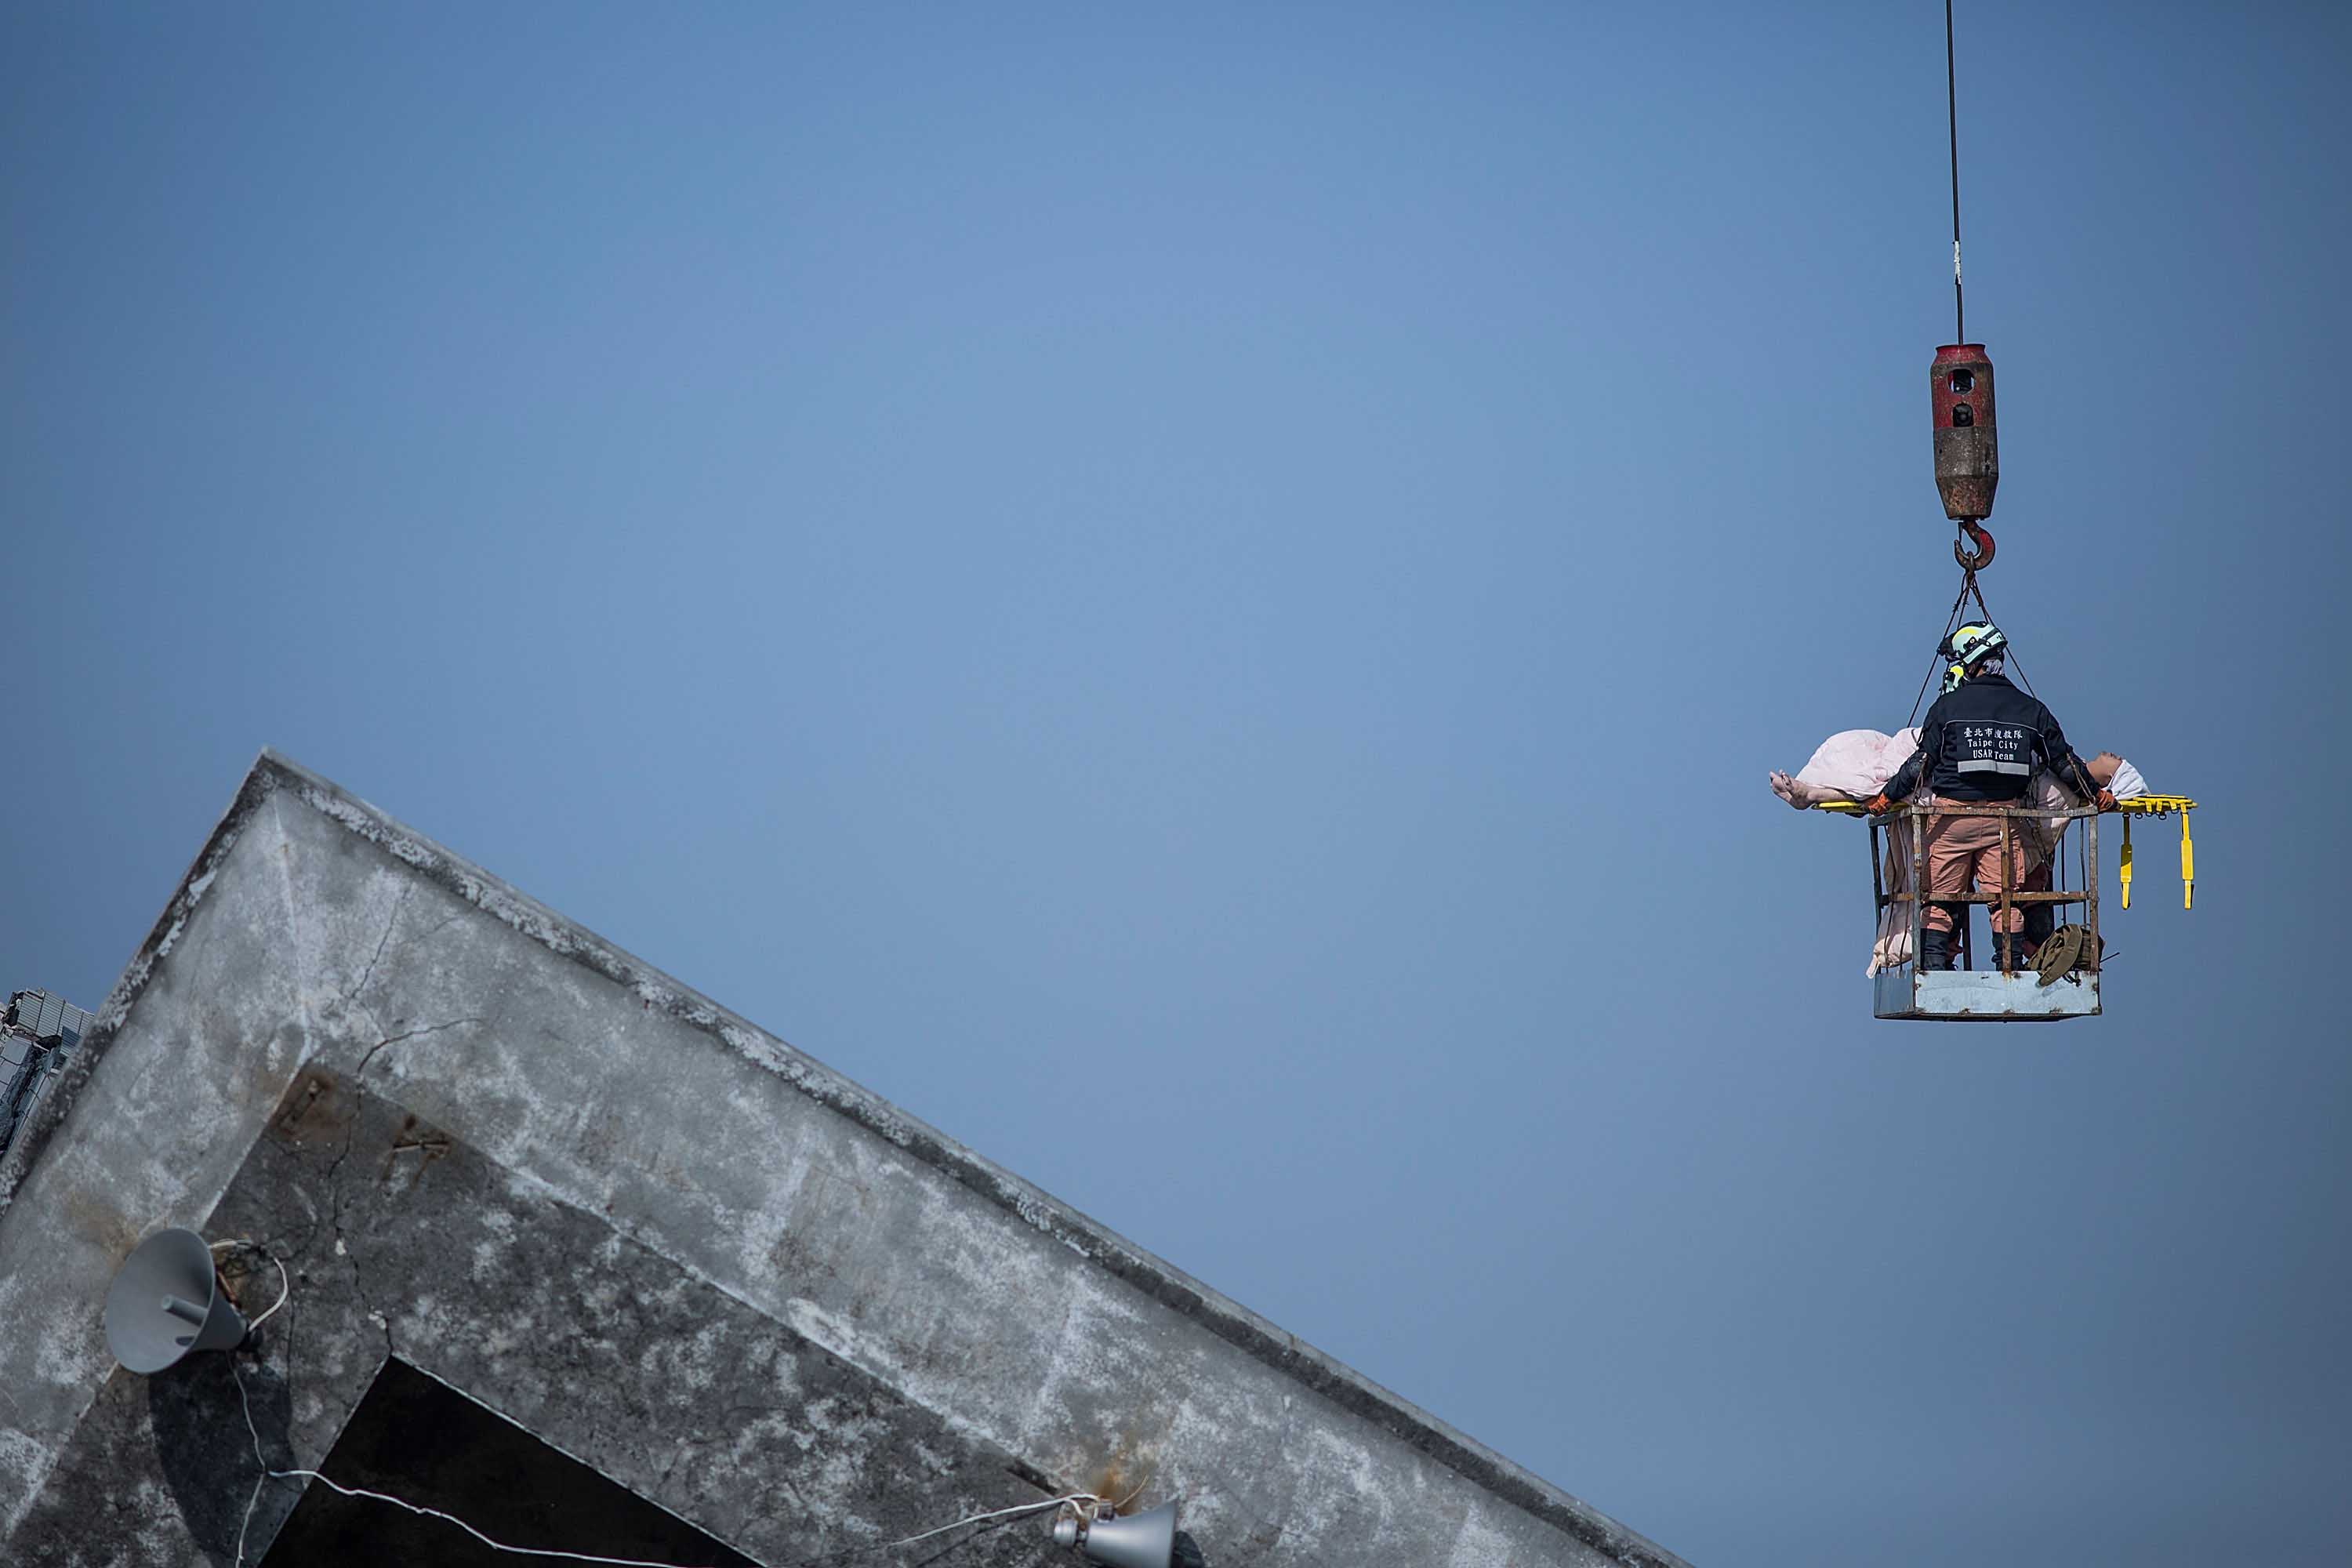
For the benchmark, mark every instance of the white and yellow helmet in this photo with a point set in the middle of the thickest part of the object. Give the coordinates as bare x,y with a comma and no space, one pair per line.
1968,648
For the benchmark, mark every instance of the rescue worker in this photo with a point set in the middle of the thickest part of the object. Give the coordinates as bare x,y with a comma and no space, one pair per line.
1979,746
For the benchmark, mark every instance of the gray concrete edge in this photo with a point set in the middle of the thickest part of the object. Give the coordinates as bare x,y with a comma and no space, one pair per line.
57,1102
273,773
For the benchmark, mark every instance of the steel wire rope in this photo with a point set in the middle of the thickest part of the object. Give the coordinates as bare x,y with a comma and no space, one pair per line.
1952,125
2008,651
1937,664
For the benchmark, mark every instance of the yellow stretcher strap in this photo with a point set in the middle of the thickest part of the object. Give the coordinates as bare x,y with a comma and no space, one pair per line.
2154,805
2188,864
2161,805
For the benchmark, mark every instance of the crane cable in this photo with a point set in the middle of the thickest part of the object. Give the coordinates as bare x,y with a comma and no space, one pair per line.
1970,562
1968,588
1952,124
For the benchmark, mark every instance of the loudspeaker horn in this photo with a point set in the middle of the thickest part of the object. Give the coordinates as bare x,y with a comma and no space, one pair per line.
166,1301
1147,1541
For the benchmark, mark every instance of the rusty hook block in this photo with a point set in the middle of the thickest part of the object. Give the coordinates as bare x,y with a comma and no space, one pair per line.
1983,557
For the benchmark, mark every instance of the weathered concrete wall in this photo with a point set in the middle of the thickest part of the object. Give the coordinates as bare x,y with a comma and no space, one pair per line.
668,1243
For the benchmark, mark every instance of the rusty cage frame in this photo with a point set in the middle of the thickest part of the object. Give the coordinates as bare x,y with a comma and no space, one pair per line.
1995,995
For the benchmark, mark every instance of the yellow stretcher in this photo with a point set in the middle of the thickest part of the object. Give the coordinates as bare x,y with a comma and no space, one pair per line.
2161,805
2138,805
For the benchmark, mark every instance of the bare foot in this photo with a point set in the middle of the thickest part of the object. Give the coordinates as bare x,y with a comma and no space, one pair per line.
1803,795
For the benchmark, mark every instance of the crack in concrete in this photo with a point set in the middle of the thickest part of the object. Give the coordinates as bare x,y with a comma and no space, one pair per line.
352,997
437,927
336,1204
337,1201
690,1448
406,1034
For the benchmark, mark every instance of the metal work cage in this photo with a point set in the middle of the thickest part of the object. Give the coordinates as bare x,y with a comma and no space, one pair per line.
1994,994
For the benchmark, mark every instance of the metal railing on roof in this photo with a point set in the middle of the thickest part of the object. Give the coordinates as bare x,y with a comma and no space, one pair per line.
38,1031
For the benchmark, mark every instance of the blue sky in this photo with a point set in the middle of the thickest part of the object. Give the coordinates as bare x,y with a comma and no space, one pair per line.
1251,563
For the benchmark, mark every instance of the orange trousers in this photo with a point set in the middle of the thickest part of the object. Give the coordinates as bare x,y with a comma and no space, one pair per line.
1963,856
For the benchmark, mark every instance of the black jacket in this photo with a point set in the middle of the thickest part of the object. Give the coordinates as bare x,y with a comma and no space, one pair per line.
1983,741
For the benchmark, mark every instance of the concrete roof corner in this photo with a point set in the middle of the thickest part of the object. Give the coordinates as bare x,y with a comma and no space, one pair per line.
321,960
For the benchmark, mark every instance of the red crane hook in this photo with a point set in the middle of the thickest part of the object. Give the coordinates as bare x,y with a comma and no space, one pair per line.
1983,556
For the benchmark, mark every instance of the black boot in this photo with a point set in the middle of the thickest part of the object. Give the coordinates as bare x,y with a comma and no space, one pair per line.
2040,920
1935,950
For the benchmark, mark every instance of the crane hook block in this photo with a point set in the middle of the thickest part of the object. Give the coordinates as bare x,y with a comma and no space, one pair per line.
1968,447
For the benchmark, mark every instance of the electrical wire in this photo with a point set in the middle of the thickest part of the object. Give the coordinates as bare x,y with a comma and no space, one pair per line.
269,1475
452,1519
494,1545
258,1458
283,1286
979,1518
244,1403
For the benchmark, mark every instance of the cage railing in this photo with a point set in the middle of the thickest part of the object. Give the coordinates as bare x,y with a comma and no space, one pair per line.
2016,869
